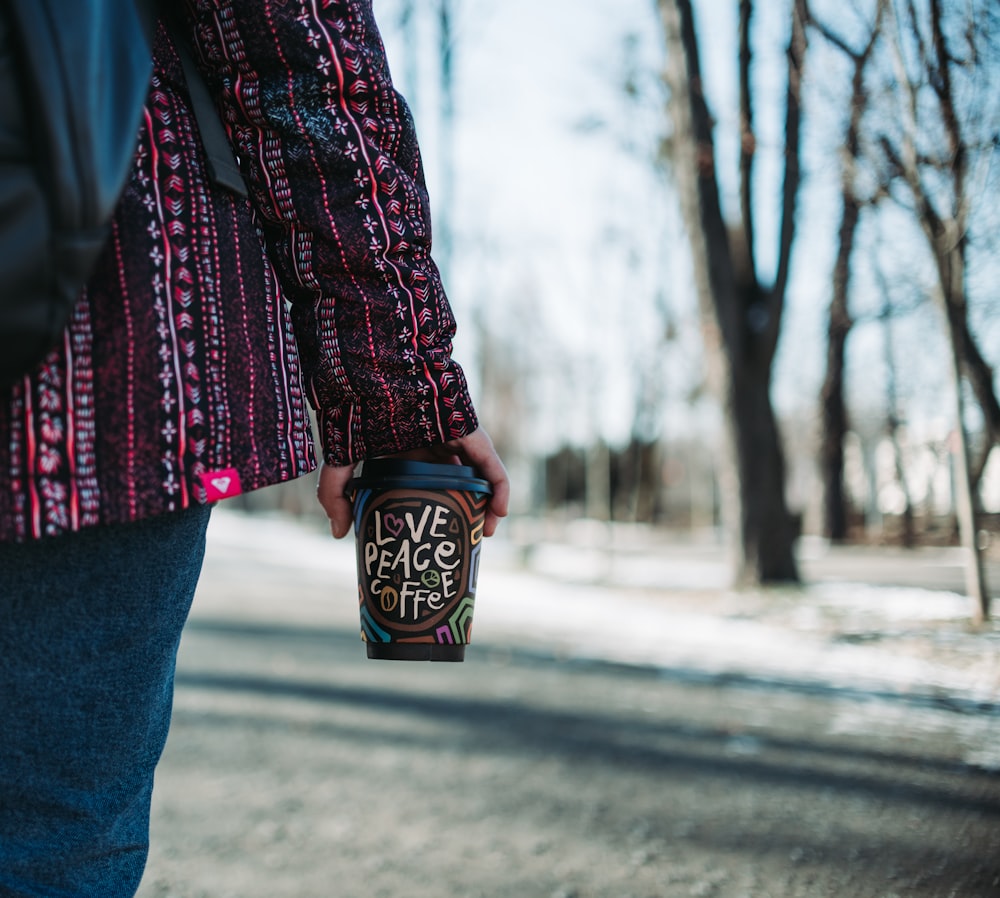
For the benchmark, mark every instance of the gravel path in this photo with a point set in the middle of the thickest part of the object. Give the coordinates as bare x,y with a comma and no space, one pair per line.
295,767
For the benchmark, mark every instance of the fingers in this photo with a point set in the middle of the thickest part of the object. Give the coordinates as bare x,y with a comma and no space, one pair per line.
332,495
476,450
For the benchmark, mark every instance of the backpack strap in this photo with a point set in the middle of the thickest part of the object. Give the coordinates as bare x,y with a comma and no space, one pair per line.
222,166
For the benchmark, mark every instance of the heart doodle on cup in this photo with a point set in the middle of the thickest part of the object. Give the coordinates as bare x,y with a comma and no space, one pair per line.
393,524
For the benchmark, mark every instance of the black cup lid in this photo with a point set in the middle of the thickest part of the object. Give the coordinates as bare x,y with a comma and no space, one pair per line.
403,467
395,473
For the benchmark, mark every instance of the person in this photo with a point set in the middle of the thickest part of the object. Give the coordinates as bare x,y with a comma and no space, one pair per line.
184,377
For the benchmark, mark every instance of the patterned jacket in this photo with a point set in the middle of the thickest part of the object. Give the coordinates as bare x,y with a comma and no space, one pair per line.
212,322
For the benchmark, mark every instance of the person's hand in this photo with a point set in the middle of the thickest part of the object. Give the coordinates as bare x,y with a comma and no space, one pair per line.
476,450
331,492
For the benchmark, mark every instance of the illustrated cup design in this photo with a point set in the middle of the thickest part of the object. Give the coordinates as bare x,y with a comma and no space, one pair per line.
419,534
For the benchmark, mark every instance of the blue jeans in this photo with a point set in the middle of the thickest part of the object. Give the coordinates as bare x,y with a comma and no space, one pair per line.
89,629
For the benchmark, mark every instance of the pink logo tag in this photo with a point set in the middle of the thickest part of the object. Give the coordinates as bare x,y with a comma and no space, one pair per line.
221,484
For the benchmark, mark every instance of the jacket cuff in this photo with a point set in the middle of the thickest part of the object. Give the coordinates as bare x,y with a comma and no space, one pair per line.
438,410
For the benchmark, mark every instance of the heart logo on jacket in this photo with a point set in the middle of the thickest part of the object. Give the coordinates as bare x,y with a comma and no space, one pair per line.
221,484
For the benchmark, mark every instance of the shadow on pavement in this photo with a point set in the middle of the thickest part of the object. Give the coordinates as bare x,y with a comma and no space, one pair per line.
347,640
523,728
297,767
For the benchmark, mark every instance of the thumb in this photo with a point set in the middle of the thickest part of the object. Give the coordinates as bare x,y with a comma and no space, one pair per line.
332,495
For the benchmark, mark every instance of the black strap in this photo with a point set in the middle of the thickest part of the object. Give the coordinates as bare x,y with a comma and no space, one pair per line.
222,167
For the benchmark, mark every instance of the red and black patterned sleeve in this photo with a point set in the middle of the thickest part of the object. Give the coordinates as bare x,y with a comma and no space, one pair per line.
330,155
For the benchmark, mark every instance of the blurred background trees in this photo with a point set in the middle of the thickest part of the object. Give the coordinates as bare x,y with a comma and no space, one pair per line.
922,119
728,269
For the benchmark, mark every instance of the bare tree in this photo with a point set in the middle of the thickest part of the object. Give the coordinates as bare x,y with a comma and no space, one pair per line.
407,22
834,417
741,317
893,418
446,190
931,152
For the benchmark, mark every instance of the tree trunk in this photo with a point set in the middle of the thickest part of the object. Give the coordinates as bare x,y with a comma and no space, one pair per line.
740,323
443,230
951,266
766,530
893,425
411,55
981,378
834,407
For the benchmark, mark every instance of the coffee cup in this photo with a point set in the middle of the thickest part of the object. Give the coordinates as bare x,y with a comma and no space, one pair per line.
418,527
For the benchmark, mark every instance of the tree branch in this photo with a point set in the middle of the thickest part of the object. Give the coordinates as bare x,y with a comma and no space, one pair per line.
832,37
946,98
793,172
748,140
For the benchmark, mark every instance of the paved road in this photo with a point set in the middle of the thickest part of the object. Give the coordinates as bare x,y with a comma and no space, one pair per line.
297,768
